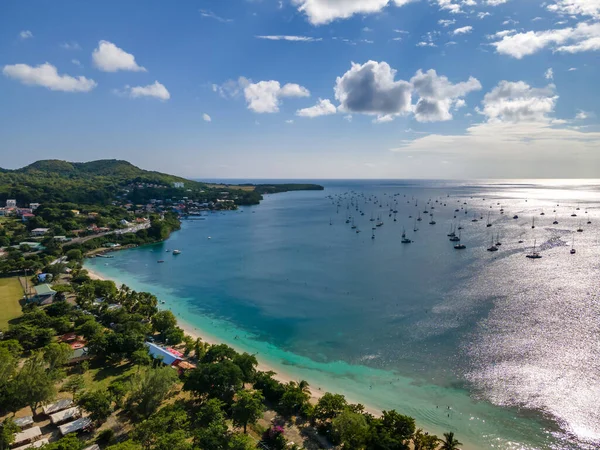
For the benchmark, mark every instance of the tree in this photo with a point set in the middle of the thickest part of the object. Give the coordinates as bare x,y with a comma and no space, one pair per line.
425,441
74,385
329,406
173,335
118,390
189,343
215,436
163,320
294,399
219,352
126,445
30,336
149,389
449,443
220,380
141,357
351,428
69,442
247,409
34,384
8,365
74,255
402,427
272,389
199,348
248,364
166,429
90,329
57,355
241,442
8,429
98,403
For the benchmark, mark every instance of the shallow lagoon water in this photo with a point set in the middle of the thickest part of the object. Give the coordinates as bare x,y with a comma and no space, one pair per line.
509,344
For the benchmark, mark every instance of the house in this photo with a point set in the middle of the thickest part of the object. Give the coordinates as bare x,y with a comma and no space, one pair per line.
24,422
57,406
39,231
76,342
166,356
26,436
34,246
26,216
44,294
44,277
65,415
178,185
75,212
72,427
11,203
34,206
79,355
61,238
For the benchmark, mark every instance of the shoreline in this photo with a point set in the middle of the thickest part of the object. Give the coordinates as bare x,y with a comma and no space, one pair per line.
280,375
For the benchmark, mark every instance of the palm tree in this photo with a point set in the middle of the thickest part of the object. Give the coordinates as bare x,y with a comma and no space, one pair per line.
449,443
303,386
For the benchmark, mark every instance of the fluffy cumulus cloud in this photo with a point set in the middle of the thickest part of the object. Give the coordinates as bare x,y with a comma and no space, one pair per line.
437,95
265,96
463,30
47,75
320,12
110,58
583,37
576,7
322,108
517,102
155,90
206,118
370,88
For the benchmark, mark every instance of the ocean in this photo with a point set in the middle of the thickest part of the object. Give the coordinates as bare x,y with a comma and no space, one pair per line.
502,349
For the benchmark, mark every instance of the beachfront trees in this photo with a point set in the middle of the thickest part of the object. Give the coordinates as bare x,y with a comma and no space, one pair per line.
329,406
425,441
351,429
248,408
272,389
173,335
149,389
219,352
199,348
247,363
392,431
217,380
294,399
97,403
163,320
449,442
166,429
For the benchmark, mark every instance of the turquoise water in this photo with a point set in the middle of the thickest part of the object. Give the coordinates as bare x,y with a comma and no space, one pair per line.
500,349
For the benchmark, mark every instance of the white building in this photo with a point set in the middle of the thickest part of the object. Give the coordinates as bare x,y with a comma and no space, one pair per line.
11,203
34,206
39,231
178,185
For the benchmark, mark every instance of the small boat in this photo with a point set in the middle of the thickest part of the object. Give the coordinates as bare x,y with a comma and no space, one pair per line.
515,217
160,261
573,251
533,254
492,248
459,246
532,222
176,252
489,224
555,221
432,222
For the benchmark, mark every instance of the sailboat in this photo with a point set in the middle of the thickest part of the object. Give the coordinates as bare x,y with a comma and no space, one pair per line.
579,229
373,234
372,219
555,220
573,251
405,240
432,222
451,233
492,247
489,224
459,246
498,243
419,218
474,218
533,254
353,224
532,222
415,229
330,223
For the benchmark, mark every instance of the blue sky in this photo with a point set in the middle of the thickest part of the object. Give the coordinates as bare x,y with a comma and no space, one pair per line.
305,88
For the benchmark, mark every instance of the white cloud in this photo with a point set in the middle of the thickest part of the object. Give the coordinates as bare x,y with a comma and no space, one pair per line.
76,62
206,118
446,22
265,96
46,75
483,15
110,58
517,101
425,44
501,34
155,90
370,88
290,38
572,69
576,7
320,12
322,108
437,95
289,121
453,8
549,74
211,15
581,115
70,46
460,103
495,2
348,117
25,34
463,30
584,37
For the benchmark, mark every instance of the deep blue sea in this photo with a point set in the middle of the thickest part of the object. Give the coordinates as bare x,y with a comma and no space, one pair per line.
499,348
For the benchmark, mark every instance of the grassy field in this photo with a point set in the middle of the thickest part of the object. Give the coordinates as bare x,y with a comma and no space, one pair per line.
10,294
